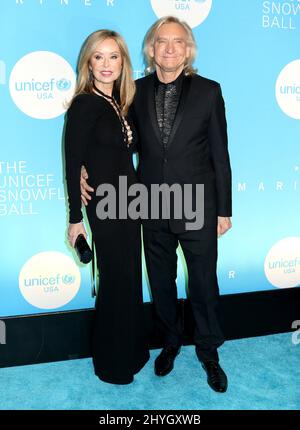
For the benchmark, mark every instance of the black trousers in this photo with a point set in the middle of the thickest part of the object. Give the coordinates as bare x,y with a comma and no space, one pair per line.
200,252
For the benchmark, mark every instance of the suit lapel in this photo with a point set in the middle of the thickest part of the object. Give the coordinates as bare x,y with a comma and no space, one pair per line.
186,84
152,109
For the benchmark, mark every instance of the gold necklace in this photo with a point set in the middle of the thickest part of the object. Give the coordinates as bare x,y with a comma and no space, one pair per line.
126,130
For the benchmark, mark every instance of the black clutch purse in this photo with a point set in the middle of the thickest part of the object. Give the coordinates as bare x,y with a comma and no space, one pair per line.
82,249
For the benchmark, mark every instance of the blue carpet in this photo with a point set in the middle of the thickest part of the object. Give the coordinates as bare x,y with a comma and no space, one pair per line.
263,373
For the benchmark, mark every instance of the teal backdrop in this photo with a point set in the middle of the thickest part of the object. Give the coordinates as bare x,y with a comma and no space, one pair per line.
250,46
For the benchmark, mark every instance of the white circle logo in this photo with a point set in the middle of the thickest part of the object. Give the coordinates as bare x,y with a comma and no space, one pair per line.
288,89
194,12
282,264
41,83
49,280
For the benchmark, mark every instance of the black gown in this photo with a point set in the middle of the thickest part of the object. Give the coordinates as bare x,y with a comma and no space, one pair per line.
94,138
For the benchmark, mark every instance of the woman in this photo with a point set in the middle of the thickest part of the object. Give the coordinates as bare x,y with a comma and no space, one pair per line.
99,136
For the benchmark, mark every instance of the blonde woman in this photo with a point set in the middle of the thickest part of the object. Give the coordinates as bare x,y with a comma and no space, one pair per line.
100,136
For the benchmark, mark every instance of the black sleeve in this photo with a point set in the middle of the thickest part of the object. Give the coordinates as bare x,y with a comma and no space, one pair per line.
133,124
219,153
81,118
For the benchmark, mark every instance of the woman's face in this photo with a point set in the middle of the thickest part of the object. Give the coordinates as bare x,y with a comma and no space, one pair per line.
106,63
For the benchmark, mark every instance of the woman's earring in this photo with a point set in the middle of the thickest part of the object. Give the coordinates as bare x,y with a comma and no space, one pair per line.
91,77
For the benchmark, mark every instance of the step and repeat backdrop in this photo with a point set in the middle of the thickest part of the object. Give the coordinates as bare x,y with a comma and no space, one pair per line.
250,46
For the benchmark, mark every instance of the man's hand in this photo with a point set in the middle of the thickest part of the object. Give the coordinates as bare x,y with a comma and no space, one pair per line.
224,224
84,186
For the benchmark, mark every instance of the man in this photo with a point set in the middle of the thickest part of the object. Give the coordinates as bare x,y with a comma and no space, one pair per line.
180,118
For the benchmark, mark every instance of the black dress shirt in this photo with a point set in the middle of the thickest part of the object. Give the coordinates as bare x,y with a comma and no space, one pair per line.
167,98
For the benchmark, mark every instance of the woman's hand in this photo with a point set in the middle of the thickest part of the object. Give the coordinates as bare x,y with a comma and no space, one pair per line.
74,231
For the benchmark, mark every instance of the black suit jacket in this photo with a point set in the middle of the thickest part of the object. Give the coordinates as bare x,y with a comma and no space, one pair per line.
197,149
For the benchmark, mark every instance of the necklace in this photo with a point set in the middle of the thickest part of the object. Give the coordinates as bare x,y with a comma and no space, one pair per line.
126,130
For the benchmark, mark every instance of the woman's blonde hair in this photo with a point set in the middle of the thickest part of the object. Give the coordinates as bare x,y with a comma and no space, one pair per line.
124,84
150,39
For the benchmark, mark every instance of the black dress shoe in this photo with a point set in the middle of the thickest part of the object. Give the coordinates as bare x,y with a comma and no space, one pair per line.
164,363
216,377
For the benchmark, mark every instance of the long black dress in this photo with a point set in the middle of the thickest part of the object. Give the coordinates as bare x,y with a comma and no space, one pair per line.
94,138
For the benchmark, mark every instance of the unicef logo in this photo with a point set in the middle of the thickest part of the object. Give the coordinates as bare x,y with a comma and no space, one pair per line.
194,12
288,89
63,84
68,279
282,263
41,83
49,280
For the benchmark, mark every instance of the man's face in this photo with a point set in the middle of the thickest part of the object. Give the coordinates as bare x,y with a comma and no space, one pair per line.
170,49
